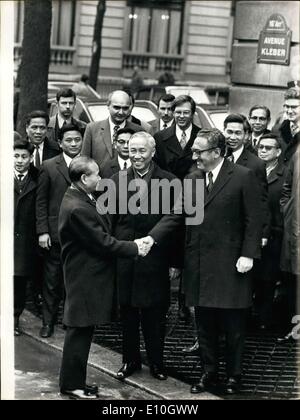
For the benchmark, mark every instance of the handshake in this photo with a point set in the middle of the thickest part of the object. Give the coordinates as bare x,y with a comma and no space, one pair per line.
144,245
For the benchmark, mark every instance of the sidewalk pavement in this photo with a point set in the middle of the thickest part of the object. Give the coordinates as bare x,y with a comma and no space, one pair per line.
37,363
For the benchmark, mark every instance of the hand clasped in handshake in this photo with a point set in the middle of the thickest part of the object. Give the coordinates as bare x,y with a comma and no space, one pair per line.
144,245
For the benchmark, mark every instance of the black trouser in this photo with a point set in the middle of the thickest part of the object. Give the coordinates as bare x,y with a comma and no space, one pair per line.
267,274
52,284
152,321
75,357
211,322
20,284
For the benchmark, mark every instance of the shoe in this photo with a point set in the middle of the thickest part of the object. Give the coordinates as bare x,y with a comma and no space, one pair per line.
46,331
184,313
232,386
80,394
288,338
128,369
208,382
194,349
158,373
92,389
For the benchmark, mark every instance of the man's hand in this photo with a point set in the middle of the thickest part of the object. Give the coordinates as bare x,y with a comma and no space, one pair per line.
45,241
144,245
244,264
174,273
264,242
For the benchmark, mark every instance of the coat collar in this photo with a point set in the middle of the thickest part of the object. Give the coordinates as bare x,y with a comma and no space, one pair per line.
30,184
222,179
276,173
62,167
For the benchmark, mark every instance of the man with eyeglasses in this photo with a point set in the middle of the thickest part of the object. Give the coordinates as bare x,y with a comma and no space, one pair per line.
269,150
173,154
219,257
100,135
259,118
121,160
290,128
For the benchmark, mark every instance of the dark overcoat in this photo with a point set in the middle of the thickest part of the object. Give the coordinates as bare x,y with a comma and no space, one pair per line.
290,204
290,143
231,228
52,184
169,154
144,282
88,253
25,238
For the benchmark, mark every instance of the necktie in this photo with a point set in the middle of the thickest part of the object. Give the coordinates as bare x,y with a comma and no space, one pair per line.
294,129
37,160
116,128
165,126
183,140
210,182
231,158
20,177
125,165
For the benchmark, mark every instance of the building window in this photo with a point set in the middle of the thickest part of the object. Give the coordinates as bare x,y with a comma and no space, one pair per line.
154,26
63,22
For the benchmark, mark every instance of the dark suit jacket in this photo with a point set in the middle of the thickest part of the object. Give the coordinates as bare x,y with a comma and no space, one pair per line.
25,238
53,128
249,146
144,282
50,149
275,184
52,185
231,228
109,168
155,124
88,253
290,143
169,154
250,161
97,142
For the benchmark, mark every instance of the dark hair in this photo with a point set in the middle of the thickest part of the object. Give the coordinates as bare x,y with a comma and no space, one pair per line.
65,93
234,118
246,124
214,137
265,108
130,94
168,97
80,165
292,93
125,130
84,78
37,114
70,127
24,145
273,137
181,99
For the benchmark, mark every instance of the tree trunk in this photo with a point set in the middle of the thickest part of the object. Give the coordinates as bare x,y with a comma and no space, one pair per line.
34,67
96,48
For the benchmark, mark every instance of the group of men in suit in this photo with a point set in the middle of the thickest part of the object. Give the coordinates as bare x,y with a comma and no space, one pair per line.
215,259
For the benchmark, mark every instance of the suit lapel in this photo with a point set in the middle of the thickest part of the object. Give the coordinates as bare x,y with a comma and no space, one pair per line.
222,179
275,174
62,168
171,142
105,129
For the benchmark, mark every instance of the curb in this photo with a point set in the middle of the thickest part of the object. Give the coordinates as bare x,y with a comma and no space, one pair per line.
108,362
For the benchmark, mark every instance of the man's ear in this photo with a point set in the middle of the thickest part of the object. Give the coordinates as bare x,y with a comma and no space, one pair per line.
83,179
279,151
31,158
59,143
114,144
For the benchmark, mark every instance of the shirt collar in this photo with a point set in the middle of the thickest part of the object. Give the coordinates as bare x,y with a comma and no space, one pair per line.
112,125
121,162
20,173
215,171
67,158
237,153
60,121
188,132
161,124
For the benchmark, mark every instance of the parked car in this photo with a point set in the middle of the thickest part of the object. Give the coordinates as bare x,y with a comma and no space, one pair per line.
54,86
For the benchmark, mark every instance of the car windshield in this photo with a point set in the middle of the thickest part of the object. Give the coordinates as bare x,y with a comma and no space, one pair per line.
218,119
198,94
100,112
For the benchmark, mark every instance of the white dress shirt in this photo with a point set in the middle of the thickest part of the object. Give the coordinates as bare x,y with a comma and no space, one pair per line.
215,173
112,126
122,161
237,153
179,132
61,121
41,149
68,159
161,124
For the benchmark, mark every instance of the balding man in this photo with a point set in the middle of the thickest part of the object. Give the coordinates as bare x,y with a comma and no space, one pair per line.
100,135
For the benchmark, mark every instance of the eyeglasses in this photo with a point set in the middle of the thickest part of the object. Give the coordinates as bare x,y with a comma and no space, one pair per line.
258,118
198,153
268,148
292,107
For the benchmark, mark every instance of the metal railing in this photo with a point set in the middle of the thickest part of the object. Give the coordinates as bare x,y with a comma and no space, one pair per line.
152,62
59,55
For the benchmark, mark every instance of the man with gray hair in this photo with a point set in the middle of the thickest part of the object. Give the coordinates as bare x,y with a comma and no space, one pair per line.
100,135
143,285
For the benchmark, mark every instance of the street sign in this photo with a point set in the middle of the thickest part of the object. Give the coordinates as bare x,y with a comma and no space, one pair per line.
275,42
